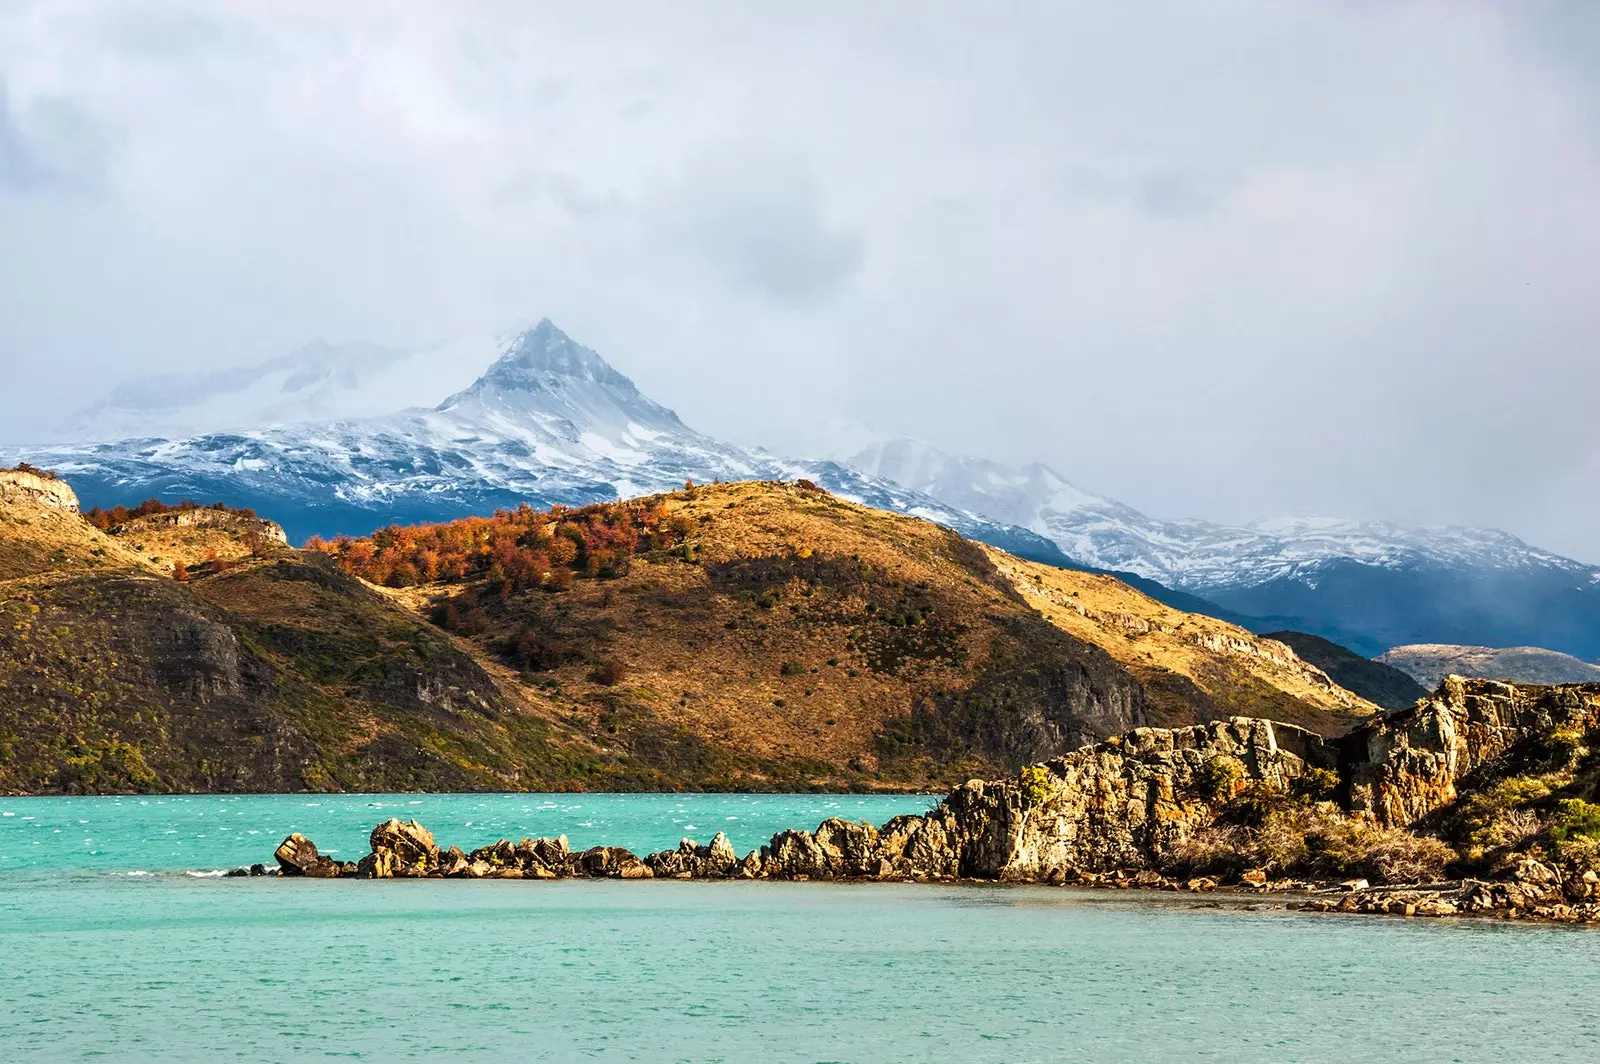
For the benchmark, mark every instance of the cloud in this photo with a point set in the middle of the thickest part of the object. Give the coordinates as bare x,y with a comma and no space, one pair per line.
758,218
1166,192
1272,258
57,149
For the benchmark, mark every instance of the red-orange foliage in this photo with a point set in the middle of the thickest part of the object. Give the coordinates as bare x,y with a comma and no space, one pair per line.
106,520
514,549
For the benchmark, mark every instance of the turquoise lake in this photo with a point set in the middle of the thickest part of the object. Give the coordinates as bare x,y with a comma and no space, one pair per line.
117,942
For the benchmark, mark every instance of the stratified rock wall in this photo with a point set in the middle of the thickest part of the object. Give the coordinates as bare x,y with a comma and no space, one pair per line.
1404,766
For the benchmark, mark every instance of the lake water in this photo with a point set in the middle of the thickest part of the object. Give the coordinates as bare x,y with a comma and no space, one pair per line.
109,949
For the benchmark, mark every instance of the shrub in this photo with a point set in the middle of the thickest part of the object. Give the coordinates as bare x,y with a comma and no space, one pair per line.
1575,819
1341,846
1221,850
1316,784
791,668
1280,842
1218,778
1259,799
609,672
1035,783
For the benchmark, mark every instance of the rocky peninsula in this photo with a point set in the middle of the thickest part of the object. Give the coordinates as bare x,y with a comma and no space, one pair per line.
1369,822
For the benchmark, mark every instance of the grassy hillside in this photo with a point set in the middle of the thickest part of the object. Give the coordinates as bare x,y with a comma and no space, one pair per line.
1192,667
1375,681
749,636
41,531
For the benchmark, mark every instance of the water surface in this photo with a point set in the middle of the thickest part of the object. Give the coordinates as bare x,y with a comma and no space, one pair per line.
99,964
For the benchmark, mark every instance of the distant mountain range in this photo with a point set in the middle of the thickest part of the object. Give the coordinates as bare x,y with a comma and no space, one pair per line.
1366,584
552,422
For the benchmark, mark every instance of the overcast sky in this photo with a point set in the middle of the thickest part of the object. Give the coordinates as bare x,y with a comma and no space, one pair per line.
1223,260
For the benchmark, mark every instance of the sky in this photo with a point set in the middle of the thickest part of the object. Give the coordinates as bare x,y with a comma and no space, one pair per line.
1223,260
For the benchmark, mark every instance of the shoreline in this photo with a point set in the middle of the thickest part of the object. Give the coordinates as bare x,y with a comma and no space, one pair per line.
407,850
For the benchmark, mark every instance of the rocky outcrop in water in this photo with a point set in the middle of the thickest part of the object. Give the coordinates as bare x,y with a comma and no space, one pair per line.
1109,814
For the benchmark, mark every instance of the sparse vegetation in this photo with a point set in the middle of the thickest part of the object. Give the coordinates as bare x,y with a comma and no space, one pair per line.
106,520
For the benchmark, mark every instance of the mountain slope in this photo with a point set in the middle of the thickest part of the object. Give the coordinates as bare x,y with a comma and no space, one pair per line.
1431,663
749,635
1191,666
1380,683
1369,585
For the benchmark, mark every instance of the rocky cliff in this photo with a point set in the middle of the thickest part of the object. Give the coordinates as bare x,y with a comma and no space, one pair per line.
1130,804
1409,764
38,488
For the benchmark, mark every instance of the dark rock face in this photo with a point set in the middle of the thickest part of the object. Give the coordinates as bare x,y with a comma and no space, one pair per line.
1379,683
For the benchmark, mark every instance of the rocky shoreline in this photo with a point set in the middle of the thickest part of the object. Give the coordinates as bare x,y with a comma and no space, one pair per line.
845,851
1136,810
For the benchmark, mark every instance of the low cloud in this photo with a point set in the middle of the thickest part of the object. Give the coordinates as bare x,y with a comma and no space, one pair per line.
759,219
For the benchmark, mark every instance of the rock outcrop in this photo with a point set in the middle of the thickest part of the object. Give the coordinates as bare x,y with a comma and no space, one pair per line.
298,856
1112,813
47,491
1404,766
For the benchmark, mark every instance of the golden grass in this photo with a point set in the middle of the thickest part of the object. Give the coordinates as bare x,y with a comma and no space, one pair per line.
1222,660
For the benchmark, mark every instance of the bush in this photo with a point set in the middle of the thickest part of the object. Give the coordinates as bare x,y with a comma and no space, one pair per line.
1035,783
791,668
1259,799
1575,819
1221,850
609,672
1340,846
1316,784
1218,778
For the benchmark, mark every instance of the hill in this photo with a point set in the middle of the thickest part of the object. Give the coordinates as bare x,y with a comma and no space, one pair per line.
1377,682
1191,666
42,531
1429,663
742,636
189,534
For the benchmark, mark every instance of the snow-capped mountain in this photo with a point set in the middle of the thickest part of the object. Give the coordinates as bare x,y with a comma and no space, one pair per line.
549,422
1197,556
1368,584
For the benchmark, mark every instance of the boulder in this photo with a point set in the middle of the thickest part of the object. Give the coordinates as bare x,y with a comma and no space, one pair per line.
609,862
298,856
693,861
402,849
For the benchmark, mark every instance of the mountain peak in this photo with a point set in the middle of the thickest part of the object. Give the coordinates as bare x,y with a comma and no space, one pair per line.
537,356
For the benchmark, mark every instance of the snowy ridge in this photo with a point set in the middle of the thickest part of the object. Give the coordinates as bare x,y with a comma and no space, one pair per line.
1195,556
317,382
